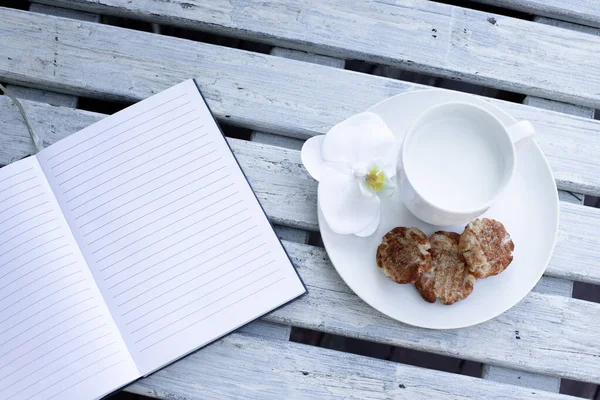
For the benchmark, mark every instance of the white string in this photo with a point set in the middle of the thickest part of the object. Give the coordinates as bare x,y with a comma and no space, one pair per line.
36,139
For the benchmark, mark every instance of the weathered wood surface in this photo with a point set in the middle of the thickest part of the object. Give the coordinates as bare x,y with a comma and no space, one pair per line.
64,12
261,92
268,330
246,367
584,12
283,141
558,335
419,35
546,285
287,192
43,96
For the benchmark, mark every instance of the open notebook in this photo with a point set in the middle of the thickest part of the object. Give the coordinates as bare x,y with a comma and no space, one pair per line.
127,246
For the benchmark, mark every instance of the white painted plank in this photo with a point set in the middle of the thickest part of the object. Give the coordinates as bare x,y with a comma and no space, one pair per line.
570,197
554,286
276,140
267,330
437,39
568,25
291,234
282,141
260,92
521,378
64,12
246,367
584,12
293,202
543,322
43,96
558,334
546,285
308,57
580,111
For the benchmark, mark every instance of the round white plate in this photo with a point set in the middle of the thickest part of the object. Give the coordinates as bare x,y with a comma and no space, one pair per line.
528,208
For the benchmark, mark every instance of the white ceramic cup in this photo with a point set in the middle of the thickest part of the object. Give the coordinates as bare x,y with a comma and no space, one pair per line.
455,161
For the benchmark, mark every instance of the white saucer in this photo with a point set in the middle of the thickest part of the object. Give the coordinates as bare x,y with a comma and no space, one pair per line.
528,209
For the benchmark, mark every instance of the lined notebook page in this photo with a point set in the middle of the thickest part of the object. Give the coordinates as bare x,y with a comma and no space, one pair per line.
169,226
57,339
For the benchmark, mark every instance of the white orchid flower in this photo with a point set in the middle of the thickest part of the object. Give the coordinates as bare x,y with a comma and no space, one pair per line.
355,164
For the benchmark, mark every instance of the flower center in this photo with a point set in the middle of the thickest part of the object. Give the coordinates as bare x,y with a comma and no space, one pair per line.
375,180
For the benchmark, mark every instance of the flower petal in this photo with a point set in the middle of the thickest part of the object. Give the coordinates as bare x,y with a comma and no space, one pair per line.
359,138
371,228
311,156
344,206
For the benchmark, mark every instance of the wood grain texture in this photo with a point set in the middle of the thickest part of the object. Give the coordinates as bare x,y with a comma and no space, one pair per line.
287,192
559,335
584,12
267,330
532,335
43,96
246,367
546,285
291,234
64,12
521,378
283,141
259,92
419,35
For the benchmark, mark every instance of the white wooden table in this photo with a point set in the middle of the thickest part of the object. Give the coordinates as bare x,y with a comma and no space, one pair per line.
52,56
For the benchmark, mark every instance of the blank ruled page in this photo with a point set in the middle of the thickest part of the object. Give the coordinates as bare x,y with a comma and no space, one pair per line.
177,241
57,339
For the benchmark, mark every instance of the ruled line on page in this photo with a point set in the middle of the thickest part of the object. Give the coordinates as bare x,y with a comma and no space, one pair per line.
182,273
85,379
114,126
16,174
176,243
36,280
66,342
27,230
21,192
19,203
35,269
22,222
210,315
121,144
34,259
79,370
60,334
137,166
143,184
56,348
193,290
171,224
34,248
59,369
191,280
44,332
166,226
28,240
43,298
121,163
156,209
171,323
44,309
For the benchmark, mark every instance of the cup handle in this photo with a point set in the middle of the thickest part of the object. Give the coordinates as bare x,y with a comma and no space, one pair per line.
521,133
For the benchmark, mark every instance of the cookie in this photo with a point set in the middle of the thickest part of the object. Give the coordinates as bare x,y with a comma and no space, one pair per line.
449,277
403,254
487,247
